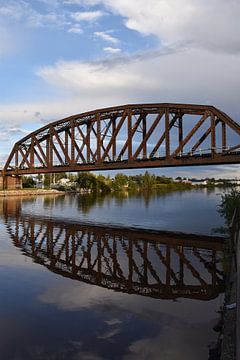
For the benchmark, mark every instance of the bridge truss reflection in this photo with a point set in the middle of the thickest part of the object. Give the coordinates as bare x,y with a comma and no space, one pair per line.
158,265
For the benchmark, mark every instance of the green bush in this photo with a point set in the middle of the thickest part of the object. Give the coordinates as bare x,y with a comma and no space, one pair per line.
229,202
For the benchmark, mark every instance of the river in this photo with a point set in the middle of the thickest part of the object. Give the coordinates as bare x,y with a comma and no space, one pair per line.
103,277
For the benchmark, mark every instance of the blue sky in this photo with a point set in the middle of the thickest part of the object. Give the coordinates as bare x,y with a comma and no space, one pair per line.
59,57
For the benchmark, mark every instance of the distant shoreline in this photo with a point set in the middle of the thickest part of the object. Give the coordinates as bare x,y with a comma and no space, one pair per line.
30,192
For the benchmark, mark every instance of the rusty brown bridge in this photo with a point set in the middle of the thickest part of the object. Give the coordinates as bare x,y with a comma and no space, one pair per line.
127,137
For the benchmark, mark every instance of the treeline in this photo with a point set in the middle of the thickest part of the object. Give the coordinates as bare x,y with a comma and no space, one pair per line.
90,182
145,181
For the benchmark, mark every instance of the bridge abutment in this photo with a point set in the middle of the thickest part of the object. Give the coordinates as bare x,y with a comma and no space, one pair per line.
10,182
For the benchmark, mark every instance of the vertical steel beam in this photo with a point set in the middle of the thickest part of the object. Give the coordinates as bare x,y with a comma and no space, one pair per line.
129,134
72,141
114,148
88,145
224,141
180,130
98,137
32,153
167,135
50,149
66,142
144,131
47,151
213,134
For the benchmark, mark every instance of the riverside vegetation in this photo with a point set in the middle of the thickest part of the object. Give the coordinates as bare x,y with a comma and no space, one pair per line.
89,182
229,202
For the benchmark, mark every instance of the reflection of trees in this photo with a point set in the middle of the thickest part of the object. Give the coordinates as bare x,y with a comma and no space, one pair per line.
48,202
210,190
85,202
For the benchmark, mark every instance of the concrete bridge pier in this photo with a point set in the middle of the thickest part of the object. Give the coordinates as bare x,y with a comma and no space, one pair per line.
13,182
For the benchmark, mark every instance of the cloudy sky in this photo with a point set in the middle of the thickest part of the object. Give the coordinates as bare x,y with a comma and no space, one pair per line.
60,57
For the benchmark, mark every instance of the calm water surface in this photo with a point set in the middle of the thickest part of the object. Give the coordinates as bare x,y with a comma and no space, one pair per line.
72,287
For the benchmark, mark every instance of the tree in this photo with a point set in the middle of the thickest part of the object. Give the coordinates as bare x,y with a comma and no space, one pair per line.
121,179
88,181
229,202
28,182
148,180
119,182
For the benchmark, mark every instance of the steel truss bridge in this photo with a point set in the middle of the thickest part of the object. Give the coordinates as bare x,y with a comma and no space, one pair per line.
157,265
129,136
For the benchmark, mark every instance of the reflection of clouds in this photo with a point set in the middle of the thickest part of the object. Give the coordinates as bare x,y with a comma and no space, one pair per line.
109,334
73,296
173,343
70,351
113,322
184,327
8,260
10,254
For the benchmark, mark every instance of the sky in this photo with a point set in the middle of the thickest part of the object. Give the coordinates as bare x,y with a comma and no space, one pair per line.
62,57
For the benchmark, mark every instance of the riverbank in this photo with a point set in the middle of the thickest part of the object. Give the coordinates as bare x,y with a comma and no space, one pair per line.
228,348
30,192
230,333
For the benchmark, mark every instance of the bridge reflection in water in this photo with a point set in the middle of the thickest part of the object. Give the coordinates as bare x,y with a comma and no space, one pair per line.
158,265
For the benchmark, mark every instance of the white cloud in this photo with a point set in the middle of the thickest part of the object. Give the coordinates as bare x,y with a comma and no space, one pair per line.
75,29
36,19
87,15
112,50
191,75
81,2
13,9
94,77
73,2
51,3
209,24
106,37
24,11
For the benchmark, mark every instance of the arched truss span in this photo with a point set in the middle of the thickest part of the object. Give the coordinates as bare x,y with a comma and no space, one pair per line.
129,136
